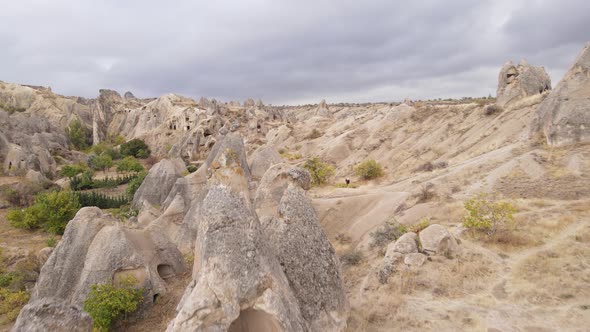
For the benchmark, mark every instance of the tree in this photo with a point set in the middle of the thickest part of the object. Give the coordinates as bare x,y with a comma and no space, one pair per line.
320,171
106,303
51,211
79,135
136,148
72,170
129,164
369,169
487,215
101,162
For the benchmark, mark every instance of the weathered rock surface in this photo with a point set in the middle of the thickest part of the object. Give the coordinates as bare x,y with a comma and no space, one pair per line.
303,250
388,265
43,255
415,259
406,244
262,159
564,116
158,182
517,82
436,240
51,314
235,274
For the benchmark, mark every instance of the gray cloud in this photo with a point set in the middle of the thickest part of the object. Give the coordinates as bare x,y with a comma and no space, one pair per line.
285,51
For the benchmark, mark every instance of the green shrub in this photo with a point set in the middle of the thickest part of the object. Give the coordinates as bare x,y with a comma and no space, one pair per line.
129,164
136,148
72,170
487,215
369,169
419,226
314,134
134,184
51,241
51,211
107,149
387,233
101,200
191,168
79,135
100,162
85,181
11,302
107,303
320,171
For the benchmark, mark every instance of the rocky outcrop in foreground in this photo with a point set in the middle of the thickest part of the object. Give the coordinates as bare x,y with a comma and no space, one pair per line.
564,116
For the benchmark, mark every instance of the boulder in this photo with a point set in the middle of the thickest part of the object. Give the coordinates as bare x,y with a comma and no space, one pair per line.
564,116
415,259
388,265
35,177
518,82
51,314
436,240
158,182
262,159
406,244
129,95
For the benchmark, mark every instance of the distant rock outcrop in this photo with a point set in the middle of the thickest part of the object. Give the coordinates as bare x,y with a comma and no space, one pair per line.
564,116
517,82
129,95
323,109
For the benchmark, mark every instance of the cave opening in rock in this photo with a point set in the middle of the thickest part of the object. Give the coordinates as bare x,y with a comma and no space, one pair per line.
165,271
251,320
188,127
10,166
155,297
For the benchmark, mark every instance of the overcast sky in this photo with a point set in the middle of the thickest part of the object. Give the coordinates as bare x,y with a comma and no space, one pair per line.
285,51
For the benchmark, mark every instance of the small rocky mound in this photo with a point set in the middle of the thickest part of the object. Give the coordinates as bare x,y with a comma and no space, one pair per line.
517,82
564,116
51,314
323,109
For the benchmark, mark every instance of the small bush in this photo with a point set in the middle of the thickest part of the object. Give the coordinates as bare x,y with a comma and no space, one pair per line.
492,109
72,170
79,136
11,302
320,171
136,148
430,166
369,169
134,184
387,233
352,257
426,193
191,168
291,155
419,226
100,162
129,164
107,303
485,214
51,211
314,134
51,241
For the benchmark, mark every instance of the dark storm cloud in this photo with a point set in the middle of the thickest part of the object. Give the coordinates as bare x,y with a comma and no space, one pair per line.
285,51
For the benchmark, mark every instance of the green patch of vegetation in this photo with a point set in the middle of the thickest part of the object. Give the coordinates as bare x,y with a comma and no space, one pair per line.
11,302
100,162
107,303
320,171
191,168
369,169
11,109
72,170
51,241
487,215
291,155
134,184
51,211
419,226
344,185
136,148
387,233
129,164
101,200
79,136
106,149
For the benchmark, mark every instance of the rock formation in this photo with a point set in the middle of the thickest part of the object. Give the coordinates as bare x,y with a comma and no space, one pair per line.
97,249
51,314
262,159
564,116
158,182
517,82
323,110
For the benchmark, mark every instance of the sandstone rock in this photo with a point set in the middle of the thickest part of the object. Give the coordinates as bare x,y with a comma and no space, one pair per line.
235,276
415,259
249,102
406,244
51,314
129,95
97,249
517,82
158,182
323,109
436,240
262,159
35,177
43,255
274,183
564,116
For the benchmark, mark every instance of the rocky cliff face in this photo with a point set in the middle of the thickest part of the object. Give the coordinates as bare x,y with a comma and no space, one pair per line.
564,116
518,81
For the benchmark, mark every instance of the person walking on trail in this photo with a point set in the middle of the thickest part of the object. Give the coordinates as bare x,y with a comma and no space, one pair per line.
347,181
